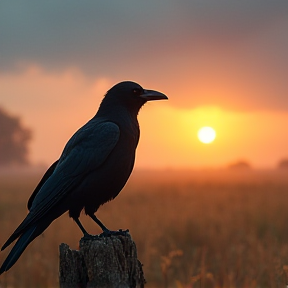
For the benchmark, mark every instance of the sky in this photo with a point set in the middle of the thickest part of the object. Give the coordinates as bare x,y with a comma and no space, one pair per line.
222,64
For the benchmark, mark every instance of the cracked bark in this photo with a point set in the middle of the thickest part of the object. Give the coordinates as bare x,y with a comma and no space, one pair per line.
101,262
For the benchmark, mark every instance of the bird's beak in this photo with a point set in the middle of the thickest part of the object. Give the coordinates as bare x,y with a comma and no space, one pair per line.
150,95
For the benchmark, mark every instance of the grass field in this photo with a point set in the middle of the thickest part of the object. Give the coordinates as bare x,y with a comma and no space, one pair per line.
192,229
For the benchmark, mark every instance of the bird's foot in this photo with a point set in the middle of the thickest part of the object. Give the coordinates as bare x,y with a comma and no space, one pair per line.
109,233
88,236
106,233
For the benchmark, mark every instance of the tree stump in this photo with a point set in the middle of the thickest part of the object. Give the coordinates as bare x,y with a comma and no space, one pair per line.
101,262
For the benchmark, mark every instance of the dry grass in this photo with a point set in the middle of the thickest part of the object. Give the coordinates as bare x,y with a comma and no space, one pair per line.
192,229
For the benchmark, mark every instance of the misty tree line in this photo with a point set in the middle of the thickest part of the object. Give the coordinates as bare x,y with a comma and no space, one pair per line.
14,139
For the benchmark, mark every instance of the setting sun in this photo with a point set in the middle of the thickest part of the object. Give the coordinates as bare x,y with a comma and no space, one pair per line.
206,135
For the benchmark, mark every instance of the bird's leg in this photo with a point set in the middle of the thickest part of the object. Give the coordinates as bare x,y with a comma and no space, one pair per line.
86,234
106,231
102,226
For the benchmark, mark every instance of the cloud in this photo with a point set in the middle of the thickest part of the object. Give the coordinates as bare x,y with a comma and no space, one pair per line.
67,33
230,53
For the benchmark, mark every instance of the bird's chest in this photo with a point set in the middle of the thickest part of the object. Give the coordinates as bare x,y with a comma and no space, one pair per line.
123,155
120,162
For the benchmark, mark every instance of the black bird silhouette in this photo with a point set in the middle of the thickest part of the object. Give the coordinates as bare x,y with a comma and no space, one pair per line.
93,168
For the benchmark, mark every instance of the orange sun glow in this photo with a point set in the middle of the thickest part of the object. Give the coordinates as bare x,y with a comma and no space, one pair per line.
206,135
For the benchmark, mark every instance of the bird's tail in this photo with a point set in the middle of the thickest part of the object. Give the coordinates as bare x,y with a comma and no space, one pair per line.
18,248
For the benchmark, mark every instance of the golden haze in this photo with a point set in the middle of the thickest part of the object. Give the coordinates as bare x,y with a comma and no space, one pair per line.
56,104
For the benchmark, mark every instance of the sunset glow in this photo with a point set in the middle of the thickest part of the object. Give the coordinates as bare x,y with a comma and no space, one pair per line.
168,133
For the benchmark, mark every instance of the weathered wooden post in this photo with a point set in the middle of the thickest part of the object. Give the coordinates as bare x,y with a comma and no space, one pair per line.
101,262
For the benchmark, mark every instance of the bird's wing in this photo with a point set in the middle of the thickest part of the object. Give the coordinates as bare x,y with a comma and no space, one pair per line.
88,154
47,174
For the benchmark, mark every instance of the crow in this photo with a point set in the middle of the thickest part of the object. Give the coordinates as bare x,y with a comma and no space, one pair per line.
92,169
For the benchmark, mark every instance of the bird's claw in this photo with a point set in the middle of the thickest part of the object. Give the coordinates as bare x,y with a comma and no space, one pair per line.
89,237
106,233
109,233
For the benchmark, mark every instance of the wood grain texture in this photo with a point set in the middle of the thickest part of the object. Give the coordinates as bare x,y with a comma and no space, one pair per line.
101,262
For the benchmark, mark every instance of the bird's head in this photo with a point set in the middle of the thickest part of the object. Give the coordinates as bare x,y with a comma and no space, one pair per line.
131,95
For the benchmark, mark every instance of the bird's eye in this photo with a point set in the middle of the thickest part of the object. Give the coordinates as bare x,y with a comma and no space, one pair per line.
137,91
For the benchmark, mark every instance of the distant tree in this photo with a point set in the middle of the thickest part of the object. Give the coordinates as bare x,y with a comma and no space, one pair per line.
240,165
14,139
283,164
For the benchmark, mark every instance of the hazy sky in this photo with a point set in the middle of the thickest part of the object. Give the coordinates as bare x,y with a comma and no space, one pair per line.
57,59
